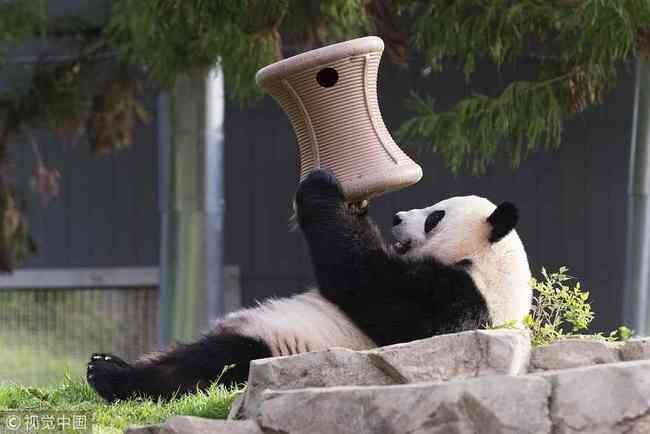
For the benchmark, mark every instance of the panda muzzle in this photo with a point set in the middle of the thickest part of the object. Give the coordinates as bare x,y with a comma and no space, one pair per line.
401,247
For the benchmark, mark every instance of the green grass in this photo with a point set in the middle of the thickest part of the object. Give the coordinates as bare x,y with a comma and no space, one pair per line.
26,364
76,395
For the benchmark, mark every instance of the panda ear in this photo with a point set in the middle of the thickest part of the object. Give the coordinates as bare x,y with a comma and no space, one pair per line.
503,220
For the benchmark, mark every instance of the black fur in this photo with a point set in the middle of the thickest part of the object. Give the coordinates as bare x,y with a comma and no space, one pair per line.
432,220
503,220
389,298
180,370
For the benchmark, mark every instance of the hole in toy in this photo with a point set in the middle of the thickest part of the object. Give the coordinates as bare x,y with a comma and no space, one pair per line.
327,77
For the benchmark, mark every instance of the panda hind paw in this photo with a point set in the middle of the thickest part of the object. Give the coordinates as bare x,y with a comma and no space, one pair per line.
110,376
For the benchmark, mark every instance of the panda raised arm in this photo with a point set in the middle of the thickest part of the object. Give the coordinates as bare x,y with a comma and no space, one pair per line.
456,265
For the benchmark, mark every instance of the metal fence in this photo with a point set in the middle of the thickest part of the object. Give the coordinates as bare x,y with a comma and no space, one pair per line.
52,320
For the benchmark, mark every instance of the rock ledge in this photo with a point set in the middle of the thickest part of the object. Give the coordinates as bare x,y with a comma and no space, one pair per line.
480,381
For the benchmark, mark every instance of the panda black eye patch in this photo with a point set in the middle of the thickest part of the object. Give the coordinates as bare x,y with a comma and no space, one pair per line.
432,220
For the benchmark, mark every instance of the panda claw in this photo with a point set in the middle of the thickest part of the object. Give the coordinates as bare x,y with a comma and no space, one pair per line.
110,376
359,208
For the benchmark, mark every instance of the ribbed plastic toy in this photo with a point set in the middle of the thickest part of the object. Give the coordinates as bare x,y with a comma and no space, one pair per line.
330,96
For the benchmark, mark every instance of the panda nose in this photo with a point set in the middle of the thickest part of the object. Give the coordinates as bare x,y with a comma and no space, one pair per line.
396,220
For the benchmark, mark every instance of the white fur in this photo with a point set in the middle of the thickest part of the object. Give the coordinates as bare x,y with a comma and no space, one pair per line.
500,270
304,322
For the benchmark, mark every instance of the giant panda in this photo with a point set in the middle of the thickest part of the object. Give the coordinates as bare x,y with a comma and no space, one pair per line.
456,265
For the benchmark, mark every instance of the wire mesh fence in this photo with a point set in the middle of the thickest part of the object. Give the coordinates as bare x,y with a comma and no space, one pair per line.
45,333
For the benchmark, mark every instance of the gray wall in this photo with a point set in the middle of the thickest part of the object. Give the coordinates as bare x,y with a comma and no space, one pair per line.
107,213
572,201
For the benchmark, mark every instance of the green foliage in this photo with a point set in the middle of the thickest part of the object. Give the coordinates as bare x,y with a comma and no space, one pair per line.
172,37
77,395
561,311
621,334
314,23
20,20
579,46
508,325
345,19
478,128
584,32
15,242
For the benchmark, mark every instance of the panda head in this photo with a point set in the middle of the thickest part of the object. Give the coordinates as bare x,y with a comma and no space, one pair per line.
474,231
454,229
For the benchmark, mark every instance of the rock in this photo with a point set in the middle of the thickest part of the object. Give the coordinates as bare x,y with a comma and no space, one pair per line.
309,393
437,359
333,367
573,353
636,349
496,404
236,407
197,425
456,356
603,399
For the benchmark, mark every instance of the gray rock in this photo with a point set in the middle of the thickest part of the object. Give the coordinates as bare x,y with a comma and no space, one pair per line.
334,367
236,407
636,349
496,404
603,399
456,356
198,425
610,398
437,359
573,353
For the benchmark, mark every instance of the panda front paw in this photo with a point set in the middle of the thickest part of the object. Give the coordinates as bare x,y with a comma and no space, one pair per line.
320,183
110,376
359,209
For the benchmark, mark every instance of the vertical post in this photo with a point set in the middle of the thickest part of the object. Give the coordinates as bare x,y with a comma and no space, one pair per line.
191,140
637,261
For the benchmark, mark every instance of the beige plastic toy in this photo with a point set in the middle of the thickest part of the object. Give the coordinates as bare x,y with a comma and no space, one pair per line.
330,96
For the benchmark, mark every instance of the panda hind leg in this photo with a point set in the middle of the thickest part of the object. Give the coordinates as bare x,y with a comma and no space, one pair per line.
109,375
177,371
